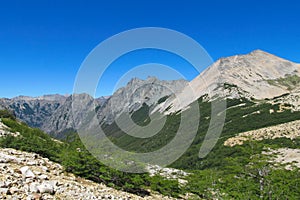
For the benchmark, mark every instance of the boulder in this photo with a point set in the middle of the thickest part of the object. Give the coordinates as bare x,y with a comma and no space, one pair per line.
33,188
3,191
13,190
26,172
46,187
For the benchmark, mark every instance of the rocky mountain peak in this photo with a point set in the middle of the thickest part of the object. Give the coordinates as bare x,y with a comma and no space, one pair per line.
152,79
256,60
249,75
259,52
133,81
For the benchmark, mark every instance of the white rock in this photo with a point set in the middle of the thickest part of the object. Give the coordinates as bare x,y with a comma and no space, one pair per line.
13,190
31,163
43,177
3,191
33,187
45,169
26,172
53,183
46,187
25,187
2,184
6,158
8,183
37,173
182,182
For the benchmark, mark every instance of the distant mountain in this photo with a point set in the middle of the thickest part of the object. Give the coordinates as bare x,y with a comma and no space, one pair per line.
33,110
49,97
126,99
51,113
63,118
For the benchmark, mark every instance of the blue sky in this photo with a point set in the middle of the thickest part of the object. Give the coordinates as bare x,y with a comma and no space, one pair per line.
44,42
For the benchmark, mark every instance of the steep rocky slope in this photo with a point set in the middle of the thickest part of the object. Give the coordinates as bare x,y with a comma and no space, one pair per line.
126,99
136,93
51,113
64,119
253,75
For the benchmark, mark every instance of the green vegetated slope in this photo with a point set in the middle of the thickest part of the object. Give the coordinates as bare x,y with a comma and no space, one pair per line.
239,172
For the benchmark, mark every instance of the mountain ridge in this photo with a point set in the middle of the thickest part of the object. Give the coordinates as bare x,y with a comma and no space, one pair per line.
257,75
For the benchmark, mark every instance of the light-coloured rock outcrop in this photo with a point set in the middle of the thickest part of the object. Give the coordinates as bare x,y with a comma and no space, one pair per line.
168,173
286,156
289,130
289,101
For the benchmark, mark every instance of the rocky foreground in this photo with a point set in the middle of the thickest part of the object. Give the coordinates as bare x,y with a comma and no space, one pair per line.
29,176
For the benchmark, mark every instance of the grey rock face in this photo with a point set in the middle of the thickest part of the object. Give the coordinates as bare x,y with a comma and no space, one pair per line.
126,99
33,110
137,92
51,113
64,117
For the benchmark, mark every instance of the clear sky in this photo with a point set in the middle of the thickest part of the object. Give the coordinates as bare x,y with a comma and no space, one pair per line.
43,42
